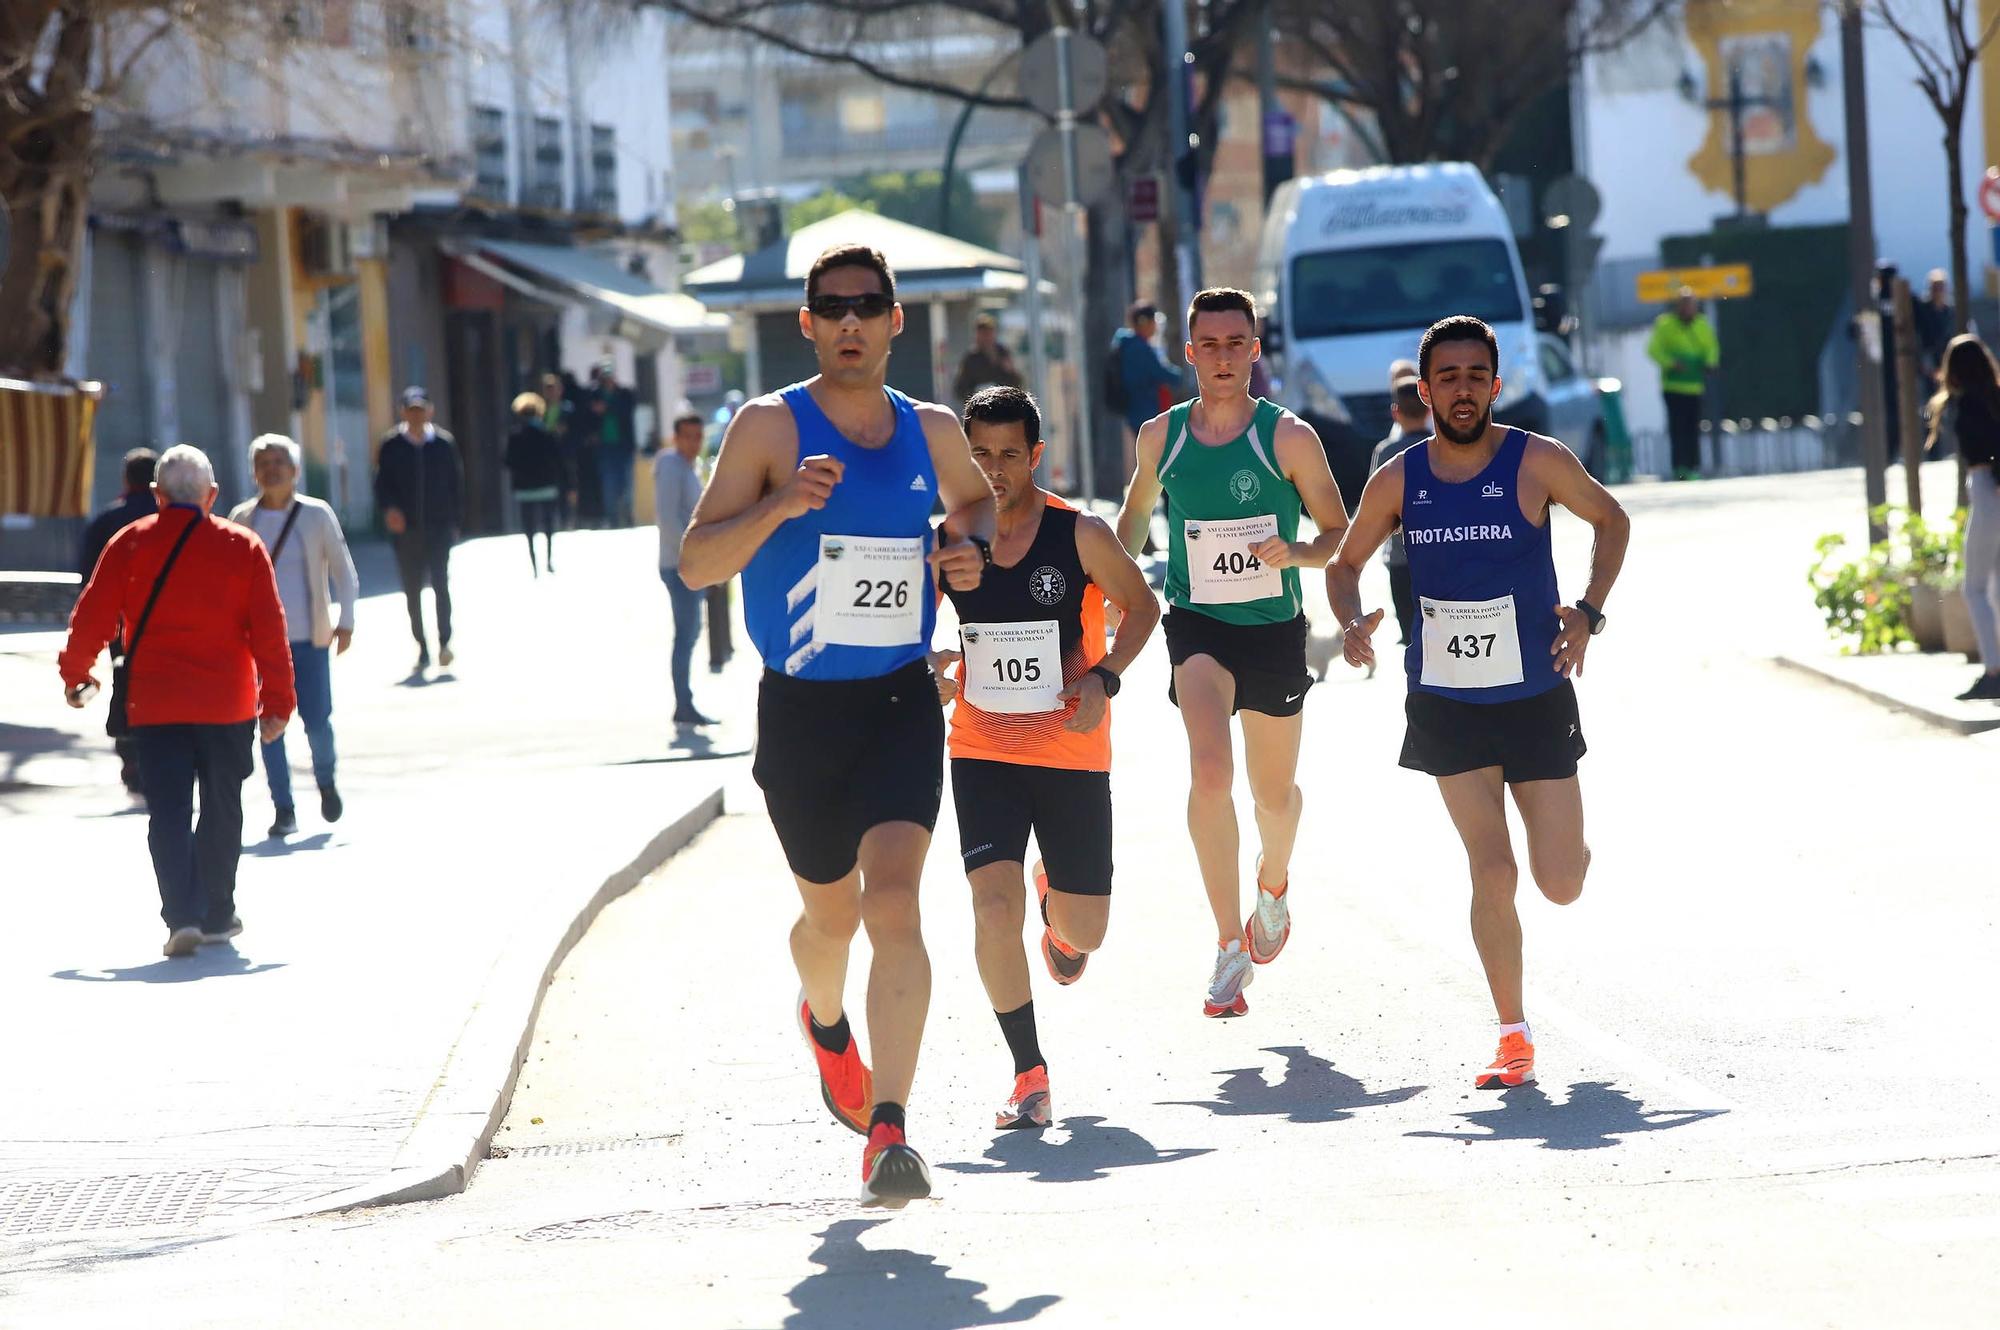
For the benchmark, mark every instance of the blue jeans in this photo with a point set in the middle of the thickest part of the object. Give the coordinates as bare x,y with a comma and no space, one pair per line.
195,863
687,603
614,469
312,675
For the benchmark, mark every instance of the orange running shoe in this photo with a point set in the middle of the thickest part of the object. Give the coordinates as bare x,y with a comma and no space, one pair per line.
892,1174
1064,961
1513,1065
1029,1106
844,1081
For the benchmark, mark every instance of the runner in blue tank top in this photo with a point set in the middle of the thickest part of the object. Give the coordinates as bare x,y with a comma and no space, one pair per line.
822,499
1490,707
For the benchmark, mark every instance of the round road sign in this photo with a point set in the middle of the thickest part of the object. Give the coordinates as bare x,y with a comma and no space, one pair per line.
1989,194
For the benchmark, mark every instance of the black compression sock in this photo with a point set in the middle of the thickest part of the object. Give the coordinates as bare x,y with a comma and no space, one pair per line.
833,1038
1018,1026
886,1115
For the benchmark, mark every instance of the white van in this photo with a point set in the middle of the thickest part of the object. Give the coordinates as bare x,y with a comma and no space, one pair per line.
1354,265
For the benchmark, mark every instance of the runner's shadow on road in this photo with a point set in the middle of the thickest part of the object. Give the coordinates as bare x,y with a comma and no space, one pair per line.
1091,1150
690,745
859,1288
1311,1091
1594,1117
215,962
426,680
273,848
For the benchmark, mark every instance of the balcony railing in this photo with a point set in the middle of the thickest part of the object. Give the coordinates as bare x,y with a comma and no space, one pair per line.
811,136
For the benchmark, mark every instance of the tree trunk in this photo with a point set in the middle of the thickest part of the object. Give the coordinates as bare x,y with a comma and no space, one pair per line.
1954,152
48,210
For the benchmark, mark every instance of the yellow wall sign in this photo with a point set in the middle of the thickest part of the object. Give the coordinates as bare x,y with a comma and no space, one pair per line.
1717,283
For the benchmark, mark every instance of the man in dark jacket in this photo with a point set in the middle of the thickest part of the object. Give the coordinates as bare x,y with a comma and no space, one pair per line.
613,409
136,502
417,486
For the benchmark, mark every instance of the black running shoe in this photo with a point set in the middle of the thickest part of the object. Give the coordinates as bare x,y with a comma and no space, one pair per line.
892,1174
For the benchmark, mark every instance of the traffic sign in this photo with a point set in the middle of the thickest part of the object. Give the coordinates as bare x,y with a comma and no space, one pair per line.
1142,199
1089,74
1719,282
1989,194
1095,176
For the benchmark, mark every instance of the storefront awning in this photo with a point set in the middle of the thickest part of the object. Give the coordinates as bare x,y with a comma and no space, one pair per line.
594,277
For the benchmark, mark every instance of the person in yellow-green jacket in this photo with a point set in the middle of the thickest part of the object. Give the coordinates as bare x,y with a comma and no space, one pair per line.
1683,346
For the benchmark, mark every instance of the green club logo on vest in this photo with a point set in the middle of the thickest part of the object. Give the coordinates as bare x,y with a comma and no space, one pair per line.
1244,486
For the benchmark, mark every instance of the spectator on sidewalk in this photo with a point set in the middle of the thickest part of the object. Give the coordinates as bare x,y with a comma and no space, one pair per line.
559,419
1409,424
1934,319
136,502
676,489
207,668
417,485
1970,406
1140,383
1683,346
314,570
616,414
535,466
986,364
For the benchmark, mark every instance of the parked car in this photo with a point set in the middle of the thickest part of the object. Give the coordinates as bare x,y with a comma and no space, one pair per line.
1576,411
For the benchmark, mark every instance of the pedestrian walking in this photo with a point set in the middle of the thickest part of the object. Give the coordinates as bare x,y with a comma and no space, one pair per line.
417,485
676,491
1935,319
315,572
1031,729
828,485
136,502
1970,407
559,419
987,364
206,669
535,468
1683,346
1409,423
1237,471
1491,711
615,411
1139,384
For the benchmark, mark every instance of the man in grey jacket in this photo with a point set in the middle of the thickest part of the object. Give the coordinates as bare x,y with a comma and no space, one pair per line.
314,570
676,488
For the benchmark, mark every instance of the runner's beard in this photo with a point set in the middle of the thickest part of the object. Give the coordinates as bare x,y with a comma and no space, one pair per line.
1449,434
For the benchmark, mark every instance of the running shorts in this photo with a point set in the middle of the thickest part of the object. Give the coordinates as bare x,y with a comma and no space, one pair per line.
836,757
1267,660
1529,738
999,803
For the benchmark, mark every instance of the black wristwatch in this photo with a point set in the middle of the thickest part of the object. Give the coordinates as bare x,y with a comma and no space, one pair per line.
985,550
1592,613
1109,679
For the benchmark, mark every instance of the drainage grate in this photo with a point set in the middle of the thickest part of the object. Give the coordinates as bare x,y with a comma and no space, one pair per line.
135,1200
580,1147
597,1226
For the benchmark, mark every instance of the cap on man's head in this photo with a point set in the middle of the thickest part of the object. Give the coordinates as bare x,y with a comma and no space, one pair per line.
986,321
415,396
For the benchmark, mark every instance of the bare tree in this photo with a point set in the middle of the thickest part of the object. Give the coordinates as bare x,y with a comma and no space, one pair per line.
1944,61
1444,80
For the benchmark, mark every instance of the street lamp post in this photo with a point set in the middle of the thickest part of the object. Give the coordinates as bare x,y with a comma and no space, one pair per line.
1861,267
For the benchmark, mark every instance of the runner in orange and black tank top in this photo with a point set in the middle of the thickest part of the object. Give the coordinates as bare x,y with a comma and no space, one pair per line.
1047,584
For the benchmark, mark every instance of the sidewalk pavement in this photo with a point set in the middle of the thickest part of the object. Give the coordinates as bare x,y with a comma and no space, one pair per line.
358,1042
1921,684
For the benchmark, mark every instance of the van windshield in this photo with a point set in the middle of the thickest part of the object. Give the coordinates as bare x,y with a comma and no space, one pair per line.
1341,292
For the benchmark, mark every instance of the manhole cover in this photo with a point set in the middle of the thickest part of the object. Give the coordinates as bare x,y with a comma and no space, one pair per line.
580,1147
131,1201
597,1226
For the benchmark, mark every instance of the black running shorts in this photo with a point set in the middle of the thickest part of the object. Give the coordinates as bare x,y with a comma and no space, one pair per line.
837,757
999,803
1267,660
1530,738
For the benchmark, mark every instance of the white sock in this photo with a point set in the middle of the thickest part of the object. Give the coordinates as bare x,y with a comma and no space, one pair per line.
1518,1027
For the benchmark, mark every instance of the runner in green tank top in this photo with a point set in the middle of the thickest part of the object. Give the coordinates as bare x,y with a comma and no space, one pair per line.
1236,470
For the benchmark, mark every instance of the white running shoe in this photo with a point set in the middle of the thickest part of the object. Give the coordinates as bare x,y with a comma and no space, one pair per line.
1225,986
1270,924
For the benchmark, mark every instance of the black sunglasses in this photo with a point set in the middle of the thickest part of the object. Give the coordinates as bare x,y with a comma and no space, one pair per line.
870,306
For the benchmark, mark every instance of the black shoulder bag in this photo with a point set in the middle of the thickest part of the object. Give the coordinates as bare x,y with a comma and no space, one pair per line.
284,532
115,723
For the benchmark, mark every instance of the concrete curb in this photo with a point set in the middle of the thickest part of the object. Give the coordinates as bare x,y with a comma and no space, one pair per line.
1930,715
471,1095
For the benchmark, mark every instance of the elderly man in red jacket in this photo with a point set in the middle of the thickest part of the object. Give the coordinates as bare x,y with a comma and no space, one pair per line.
211,668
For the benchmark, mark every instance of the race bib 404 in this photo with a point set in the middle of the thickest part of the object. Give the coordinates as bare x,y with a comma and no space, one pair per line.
1221,568
869,591
1470,643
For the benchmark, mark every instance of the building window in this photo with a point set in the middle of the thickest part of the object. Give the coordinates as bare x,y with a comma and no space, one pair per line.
489,147
407,27
863,113
547,189
603,170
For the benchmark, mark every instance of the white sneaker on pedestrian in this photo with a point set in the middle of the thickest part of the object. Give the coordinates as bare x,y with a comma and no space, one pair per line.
1225,986
182,941
234,927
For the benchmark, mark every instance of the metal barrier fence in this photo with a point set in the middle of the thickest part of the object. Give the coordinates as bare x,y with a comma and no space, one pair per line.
1758,447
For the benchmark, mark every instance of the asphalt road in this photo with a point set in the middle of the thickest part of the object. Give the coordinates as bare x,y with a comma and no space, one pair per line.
1767,1090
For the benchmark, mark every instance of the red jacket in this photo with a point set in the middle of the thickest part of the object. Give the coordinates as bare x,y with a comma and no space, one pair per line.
215,651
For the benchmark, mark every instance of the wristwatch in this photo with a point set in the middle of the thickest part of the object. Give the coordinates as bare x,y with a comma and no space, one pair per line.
1109,678
1592,613
985,550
